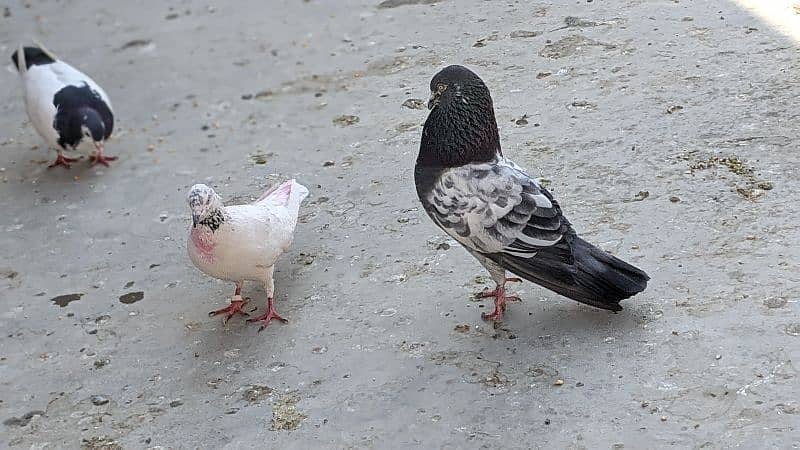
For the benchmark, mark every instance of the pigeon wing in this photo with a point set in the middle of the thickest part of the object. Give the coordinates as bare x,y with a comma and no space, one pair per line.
495,208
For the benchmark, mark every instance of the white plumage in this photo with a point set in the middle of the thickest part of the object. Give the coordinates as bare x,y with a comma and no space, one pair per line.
66,107
243,242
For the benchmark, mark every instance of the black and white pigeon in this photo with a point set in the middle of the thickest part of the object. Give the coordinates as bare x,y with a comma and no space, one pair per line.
501,215
68,109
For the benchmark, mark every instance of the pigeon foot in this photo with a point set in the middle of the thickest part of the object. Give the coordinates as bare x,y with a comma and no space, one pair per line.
100,158
62,160
265,318
500,299
237,303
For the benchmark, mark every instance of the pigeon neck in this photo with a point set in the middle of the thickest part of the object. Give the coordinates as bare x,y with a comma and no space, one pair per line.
213,220
455,135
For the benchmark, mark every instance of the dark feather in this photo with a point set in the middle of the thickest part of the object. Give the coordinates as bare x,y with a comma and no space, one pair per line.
34,56
77,106
578,270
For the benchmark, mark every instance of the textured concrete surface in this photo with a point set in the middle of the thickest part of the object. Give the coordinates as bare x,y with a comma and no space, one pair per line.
668,130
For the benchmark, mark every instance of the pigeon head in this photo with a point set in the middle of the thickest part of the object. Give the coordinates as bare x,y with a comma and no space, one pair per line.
454,84
461,127
92,125
205,205
76,124
32,56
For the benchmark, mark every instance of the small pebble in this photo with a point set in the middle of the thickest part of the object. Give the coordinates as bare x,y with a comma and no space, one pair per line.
558,382
663,418
175,403
99,400
674,199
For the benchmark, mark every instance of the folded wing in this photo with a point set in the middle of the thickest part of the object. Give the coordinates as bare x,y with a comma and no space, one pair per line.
496,208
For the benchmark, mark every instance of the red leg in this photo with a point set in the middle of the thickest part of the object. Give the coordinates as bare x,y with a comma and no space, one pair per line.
237,303
494,294
265,318
500,299
99,157
62,160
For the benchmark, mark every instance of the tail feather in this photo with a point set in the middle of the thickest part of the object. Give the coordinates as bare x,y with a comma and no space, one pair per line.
22,64
580,271
45,50
289,193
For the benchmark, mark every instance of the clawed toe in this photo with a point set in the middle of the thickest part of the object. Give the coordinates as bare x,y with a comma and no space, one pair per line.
231,310
267,317
500,300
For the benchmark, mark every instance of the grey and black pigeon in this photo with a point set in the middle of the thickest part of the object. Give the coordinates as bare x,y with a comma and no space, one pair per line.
67,108
501,215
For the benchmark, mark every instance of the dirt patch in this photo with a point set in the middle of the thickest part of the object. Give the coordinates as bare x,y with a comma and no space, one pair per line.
285,415
571,45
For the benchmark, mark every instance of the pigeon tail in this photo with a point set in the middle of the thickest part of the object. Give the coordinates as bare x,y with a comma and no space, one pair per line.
297,194
45,50
22,64
289,194
594,277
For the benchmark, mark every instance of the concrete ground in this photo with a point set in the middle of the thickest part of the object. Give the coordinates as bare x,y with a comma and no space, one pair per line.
667,129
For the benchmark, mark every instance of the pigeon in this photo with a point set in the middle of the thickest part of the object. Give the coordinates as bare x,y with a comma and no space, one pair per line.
67,108
502,216
243,242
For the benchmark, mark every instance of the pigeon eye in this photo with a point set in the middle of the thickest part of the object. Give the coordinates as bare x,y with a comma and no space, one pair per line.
441,88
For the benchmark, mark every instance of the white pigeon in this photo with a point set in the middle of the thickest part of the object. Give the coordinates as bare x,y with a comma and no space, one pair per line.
243,242
67,108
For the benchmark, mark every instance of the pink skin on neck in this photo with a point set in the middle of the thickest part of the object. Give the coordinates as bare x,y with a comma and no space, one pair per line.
203,242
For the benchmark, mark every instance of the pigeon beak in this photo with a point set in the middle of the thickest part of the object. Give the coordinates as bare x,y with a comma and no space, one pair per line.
434,100
195,220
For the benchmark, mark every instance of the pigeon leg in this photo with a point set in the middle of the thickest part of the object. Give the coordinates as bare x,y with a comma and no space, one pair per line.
62,160
498,274
99,157
237,303
500,299
492,293
266,318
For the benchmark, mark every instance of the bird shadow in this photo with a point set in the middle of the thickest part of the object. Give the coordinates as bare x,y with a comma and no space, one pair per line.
38,168
32,179
233,334
574,320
